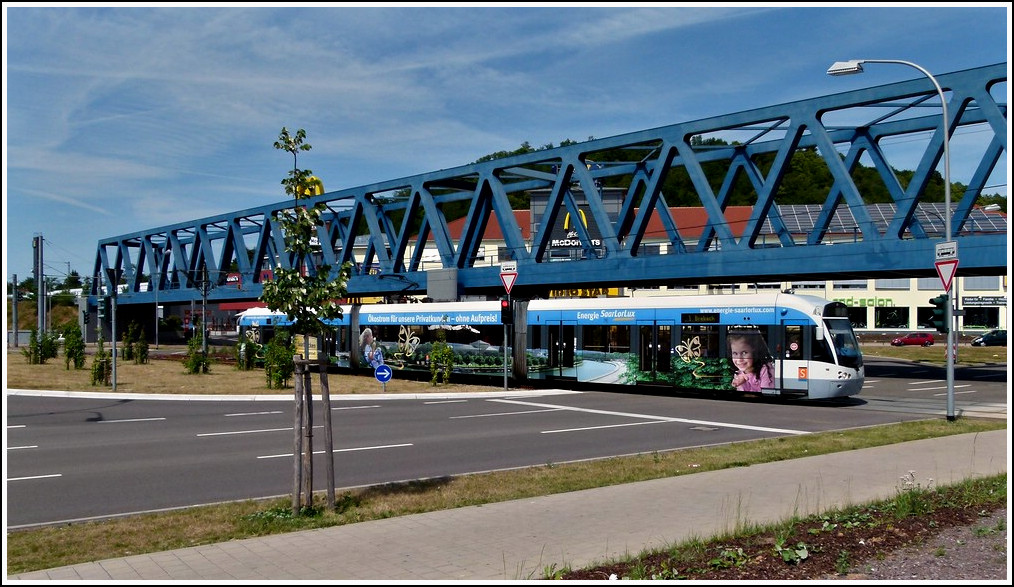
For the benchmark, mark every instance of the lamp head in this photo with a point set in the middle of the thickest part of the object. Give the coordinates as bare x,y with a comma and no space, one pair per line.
846,67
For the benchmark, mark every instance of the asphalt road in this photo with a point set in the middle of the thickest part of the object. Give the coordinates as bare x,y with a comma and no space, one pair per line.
75,458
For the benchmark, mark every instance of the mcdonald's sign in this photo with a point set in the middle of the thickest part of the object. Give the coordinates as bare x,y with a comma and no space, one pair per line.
566,220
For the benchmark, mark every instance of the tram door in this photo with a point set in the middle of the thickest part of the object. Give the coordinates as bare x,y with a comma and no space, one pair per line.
793,370
561,348
655,347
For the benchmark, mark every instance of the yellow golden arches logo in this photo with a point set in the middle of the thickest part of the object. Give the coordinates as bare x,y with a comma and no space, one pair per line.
566,220
313,187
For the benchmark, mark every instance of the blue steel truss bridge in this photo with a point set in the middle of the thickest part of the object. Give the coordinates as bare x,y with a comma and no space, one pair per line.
702,201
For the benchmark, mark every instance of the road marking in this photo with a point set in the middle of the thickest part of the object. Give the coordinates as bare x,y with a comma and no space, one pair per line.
320,452
938,387
255,413
250,431
20,447
658,418
601,427
507,413
34,477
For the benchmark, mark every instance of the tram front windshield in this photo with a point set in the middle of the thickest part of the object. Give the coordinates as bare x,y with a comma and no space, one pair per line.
844,341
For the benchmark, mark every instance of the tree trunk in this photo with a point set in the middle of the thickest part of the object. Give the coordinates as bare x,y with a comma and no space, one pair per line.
325,396
297,441
308,431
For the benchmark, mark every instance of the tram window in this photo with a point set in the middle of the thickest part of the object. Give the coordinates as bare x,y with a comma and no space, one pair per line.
821,350
793,342
619,339
596,338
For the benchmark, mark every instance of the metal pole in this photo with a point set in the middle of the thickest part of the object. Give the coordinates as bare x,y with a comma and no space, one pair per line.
114,336
511,306
158,274
204,326
14,309
40,286
505,357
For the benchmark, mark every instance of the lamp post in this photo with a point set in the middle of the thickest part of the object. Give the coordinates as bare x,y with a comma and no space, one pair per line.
856,66
159,254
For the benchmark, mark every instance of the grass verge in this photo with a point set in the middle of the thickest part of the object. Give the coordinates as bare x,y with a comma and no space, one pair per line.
55,546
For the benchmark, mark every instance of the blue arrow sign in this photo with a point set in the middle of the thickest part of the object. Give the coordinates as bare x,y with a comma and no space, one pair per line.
383,373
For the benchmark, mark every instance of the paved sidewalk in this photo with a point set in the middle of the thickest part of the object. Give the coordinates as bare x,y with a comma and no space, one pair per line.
522,539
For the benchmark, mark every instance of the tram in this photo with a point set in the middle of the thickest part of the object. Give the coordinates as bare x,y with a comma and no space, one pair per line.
766,344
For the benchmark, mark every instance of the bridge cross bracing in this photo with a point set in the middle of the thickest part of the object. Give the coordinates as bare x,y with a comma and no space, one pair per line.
662,206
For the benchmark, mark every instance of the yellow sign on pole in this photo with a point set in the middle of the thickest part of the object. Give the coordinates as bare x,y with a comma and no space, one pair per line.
297,340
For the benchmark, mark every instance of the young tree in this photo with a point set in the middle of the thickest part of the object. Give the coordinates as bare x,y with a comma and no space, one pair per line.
308,294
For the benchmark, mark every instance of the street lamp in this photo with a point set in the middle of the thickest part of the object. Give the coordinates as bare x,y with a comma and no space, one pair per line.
854,66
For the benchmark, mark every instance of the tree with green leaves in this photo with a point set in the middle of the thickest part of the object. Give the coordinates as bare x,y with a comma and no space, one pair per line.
309,294
308,297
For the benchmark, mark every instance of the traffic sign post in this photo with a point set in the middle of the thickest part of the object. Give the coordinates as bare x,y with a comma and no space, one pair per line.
508,275
947,265
946,271
383,373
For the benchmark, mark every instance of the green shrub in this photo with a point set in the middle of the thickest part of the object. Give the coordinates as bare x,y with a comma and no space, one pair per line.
441,360
140,347
246,354
73,347
41,347
196,361
102,365
128,341
278,365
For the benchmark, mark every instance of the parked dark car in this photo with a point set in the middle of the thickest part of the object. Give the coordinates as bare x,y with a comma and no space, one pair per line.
991,338
914,338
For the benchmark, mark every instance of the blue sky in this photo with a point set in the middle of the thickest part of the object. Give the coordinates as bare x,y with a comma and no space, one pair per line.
121,119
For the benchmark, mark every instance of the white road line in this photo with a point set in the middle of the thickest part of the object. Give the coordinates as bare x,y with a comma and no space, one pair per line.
938,387
320,452
34,477
20,447
506,414
601,427
658,418
255,413
234,432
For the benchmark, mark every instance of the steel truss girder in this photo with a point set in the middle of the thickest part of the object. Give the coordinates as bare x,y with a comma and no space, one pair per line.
387,220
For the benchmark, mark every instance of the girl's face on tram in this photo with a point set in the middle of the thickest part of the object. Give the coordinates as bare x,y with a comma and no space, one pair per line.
742,355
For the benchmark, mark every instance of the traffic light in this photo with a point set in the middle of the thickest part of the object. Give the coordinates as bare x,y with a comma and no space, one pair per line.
940,304
506,312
